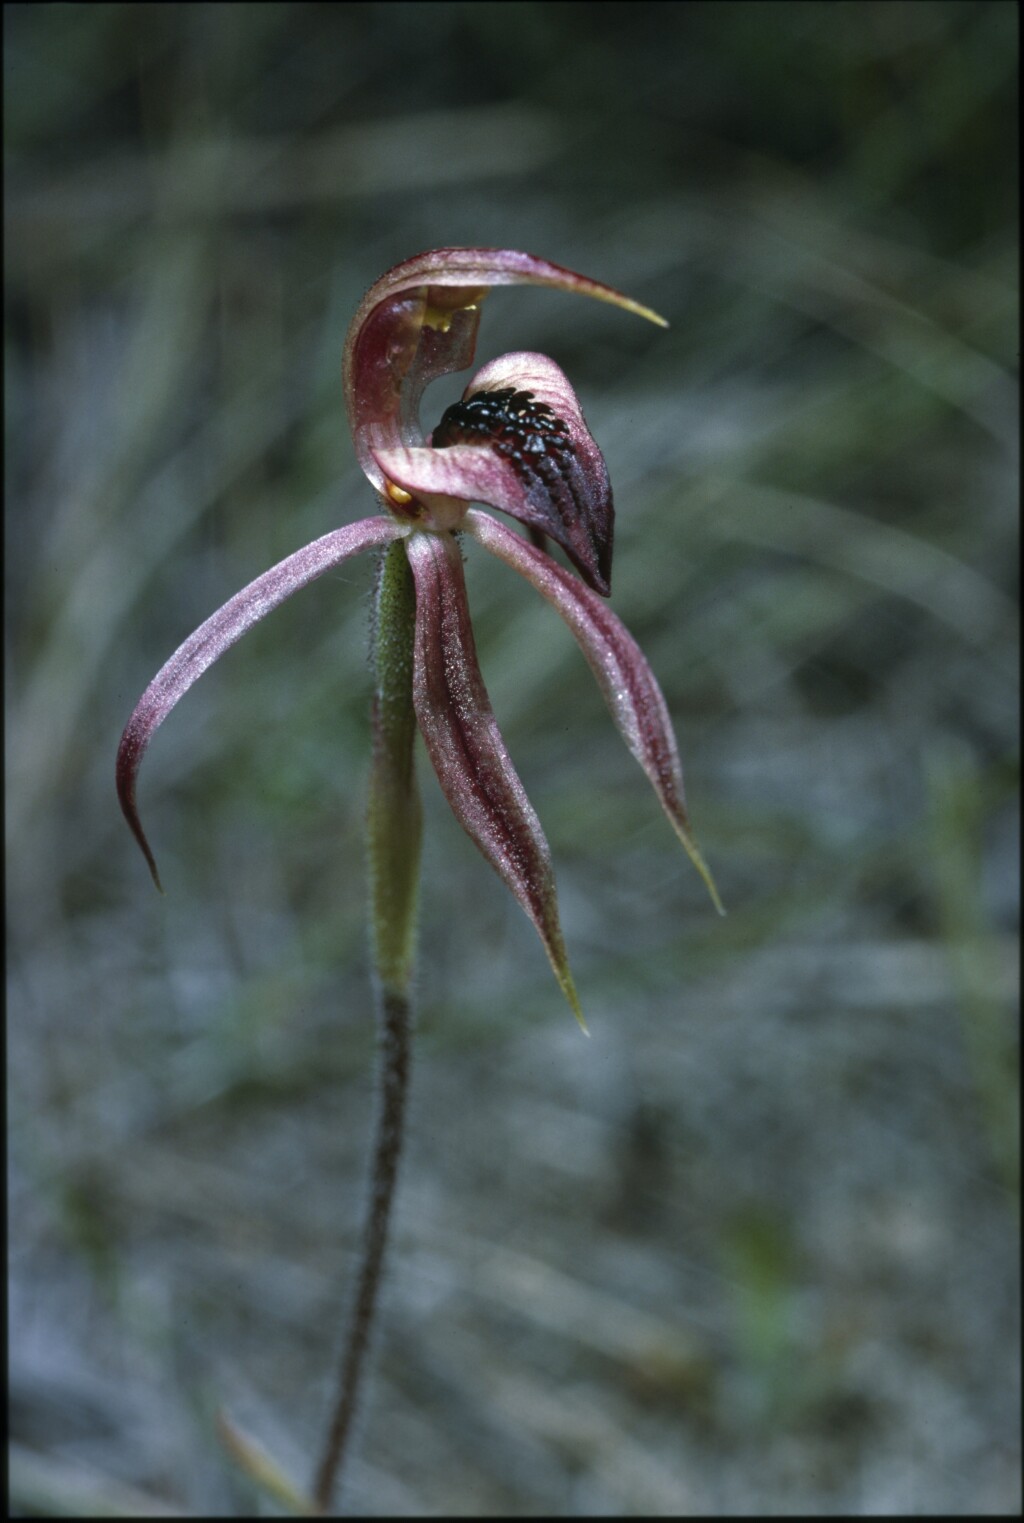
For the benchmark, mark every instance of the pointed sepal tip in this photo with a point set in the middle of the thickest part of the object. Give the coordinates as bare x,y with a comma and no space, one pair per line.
568,988
695,855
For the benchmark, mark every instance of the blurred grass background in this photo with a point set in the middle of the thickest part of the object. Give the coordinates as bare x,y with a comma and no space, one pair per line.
755,1247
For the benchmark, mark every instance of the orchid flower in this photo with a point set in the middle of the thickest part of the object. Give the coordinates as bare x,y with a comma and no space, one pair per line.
517,442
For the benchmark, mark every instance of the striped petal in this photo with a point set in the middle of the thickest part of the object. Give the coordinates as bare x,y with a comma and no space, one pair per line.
517,441
221,631
622,672
465,745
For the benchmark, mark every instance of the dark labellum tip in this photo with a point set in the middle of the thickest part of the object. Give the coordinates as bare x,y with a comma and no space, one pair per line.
561,497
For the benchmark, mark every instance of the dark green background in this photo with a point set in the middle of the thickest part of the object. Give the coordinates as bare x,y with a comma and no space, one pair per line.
754,1248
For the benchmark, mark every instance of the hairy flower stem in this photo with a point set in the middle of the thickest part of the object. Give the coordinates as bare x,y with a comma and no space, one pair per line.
393,821
394,1074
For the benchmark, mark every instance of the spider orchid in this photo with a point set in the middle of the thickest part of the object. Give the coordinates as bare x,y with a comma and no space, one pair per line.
517,441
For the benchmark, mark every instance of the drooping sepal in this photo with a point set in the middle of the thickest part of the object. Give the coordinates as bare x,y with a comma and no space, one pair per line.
629,686
466,749
218,634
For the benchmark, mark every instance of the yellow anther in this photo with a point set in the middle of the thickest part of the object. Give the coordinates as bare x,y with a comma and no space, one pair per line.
440,318
399,496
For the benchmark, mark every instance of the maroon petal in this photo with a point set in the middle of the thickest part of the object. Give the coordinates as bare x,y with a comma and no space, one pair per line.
518,441
622,672
220,631
465,745
419,321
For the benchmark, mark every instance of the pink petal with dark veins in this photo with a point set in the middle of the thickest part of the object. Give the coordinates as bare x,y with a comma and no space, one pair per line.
465,745
622,672
518,441
221,631
419,321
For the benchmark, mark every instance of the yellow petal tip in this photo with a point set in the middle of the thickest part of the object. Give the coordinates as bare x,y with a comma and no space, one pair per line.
649,313
709,882
626,303
694,853
568,988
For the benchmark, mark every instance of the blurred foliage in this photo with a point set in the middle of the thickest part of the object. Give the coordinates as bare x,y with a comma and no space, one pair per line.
754,1248
957,796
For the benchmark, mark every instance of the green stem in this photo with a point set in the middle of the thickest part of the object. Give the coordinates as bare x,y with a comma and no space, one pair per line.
394,816
393,831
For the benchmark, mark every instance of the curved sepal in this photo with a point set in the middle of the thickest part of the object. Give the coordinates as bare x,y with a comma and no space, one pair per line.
465,745
221,631
419,321
623,675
